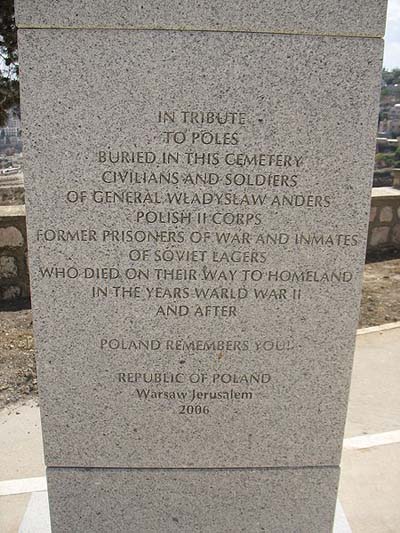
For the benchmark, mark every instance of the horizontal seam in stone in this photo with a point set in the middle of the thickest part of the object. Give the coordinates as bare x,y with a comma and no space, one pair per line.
155,28
191,469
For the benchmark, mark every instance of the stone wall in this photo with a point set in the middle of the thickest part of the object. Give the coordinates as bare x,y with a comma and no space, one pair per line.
384,222
14,276
12,195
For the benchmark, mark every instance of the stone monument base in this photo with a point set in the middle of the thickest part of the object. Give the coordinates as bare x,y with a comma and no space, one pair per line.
274,500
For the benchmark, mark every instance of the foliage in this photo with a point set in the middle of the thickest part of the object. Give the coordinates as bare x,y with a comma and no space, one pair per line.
391,90
385,160
9,84
391,77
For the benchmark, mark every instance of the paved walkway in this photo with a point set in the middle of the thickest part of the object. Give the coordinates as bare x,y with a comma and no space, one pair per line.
370,482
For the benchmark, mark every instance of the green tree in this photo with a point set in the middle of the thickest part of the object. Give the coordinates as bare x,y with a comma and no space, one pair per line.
9,84
384,160
391,77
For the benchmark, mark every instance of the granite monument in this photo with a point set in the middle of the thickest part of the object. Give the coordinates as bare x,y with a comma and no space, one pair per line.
198,181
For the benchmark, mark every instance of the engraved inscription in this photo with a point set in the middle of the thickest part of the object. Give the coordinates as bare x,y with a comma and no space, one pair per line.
193,245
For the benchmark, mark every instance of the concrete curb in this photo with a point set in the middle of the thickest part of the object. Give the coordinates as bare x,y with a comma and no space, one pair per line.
378,329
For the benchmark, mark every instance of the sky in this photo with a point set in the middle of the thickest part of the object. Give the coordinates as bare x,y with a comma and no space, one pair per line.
391,59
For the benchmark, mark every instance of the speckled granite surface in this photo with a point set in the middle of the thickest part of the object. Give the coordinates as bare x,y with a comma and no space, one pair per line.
197,209
294,500
339,17
307,102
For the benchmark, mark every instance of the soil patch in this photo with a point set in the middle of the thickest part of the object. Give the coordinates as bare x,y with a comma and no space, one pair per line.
17,356
380,302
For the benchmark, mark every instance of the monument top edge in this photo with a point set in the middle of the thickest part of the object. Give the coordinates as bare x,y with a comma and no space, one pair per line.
358,18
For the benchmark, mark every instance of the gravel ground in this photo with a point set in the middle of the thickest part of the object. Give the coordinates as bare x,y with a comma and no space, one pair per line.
380,305
380,302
